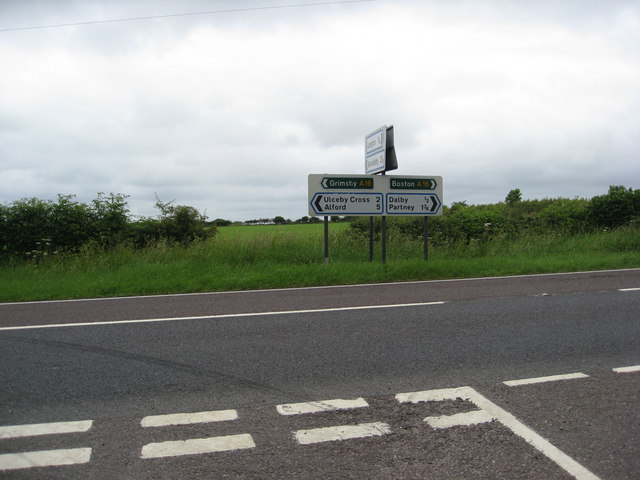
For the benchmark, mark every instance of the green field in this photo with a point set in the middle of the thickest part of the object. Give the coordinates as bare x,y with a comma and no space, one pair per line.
270,256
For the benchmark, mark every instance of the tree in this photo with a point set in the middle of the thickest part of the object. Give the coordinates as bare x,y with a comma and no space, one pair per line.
221,222
514,196
279,220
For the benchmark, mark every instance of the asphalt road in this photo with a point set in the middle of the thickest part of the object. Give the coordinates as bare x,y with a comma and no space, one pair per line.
114,362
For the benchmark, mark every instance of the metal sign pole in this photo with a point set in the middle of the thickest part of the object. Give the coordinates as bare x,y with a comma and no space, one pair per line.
326,239
425,236
371,239
384,237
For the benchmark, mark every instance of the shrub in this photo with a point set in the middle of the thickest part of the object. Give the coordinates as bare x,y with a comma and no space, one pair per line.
618,207
183,224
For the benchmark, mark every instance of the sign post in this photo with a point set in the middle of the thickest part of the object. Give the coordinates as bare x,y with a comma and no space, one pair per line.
379,157
375,195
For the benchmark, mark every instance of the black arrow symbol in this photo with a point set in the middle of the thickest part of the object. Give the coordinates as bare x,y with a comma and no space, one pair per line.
434,204
317,203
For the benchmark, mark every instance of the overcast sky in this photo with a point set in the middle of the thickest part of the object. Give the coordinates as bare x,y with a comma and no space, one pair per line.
229,112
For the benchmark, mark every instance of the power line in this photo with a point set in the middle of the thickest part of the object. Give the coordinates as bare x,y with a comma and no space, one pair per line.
213,12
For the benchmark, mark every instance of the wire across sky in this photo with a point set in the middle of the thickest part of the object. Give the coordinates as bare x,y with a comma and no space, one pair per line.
188,14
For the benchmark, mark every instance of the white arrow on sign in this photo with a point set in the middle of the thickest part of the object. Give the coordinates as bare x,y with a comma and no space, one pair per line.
413,204
332,203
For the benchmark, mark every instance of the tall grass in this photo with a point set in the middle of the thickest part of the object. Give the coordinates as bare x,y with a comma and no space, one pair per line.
269,257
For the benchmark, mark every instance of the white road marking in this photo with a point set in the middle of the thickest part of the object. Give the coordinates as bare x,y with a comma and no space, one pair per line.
217,317
15,431
460,419
634,368
629,289
433,395
550,378
322,406
323,287
45,458
197,446
508,420
189,418
343,432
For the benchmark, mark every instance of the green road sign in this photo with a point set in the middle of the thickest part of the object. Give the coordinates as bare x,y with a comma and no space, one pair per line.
347,183
374,195
399,183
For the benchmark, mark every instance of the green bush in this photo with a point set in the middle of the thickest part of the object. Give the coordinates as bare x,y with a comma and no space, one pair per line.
35,228
183,224
619,206
31,228
465,225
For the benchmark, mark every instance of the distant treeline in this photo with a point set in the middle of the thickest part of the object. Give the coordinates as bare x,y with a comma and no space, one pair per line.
33,228
463,224
278,220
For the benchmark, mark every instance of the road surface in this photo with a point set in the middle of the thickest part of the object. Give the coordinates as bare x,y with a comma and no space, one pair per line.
371,381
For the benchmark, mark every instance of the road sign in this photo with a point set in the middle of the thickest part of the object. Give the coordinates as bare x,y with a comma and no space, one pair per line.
380,151
347,183
412,204
374,195
375,150
412,183
346,204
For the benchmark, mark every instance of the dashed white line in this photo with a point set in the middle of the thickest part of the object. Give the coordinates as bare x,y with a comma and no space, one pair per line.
439,395
197,446
189,418
550,378
629,289
343,432
322,406
633,368
474,417
44,458
35,429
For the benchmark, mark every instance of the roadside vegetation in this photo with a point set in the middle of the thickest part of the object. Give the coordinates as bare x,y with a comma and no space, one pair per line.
65,249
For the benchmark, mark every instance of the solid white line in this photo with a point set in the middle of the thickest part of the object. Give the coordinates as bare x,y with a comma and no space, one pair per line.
188,418
15,431
196,446
629,289
634,368
474,417
344,432
550,378
508,420
540,443
45,458
217,317
322,406
321,287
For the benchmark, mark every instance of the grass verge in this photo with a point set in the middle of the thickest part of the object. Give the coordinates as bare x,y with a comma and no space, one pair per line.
262,257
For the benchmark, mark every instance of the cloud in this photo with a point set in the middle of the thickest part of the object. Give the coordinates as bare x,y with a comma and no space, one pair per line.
231,114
